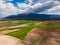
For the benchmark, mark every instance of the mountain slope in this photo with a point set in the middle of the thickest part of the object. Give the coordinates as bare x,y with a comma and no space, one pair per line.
34,17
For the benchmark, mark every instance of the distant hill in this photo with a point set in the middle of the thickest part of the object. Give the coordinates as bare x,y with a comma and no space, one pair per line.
33,17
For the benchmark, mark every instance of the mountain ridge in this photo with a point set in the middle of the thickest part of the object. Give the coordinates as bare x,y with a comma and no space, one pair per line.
34,17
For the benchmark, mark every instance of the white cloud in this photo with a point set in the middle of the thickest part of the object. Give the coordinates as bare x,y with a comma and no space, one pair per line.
40,6
33,8
23,6
8,9
54,10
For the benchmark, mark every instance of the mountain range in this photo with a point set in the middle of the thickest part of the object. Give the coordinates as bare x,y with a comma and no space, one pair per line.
32,16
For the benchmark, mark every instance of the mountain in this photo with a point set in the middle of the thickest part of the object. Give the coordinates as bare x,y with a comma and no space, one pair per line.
33,17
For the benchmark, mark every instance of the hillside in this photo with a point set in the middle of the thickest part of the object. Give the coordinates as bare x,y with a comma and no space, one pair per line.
33,17
39,37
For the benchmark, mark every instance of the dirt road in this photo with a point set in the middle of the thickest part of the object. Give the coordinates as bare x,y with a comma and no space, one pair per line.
8,31
23,25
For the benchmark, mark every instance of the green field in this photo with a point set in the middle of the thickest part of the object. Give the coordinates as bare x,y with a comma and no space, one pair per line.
22,31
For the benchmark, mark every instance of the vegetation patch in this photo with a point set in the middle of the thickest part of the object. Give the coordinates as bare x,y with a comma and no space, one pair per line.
21,33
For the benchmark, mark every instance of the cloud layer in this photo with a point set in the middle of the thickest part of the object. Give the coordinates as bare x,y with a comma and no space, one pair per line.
33,6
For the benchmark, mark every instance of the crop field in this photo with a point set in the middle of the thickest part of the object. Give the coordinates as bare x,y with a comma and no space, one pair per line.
20,28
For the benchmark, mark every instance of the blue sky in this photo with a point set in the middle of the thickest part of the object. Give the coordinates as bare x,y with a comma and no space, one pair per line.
14,7
21,1
15,1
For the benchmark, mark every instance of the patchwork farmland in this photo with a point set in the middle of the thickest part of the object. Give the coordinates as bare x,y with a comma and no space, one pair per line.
27,31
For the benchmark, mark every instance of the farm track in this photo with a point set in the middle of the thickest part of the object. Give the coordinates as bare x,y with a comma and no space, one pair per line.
8,31
5,31
5,28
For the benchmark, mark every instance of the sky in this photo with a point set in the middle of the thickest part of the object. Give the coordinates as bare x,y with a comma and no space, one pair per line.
14,7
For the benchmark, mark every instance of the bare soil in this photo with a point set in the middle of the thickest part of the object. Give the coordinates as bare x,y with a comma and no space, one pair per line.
8,40
40,24
40,37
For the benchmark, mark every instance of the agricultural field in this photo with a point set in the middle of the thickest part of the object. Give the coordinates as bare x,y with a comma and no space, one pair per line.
20,28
